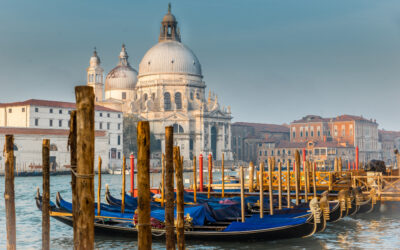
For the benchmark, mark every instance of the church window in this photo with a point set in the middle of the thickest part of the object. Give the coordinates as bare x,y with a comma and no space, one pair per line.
191,95
178,100
178,128
167,101
123,95
145,97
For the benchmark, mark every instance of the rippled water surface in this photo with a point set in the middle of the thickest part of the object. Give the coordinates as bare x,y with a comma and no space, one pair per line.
369,231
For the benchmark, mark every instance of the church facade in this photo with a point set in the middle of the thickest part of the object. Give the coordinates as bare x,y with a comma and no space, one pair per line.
168,90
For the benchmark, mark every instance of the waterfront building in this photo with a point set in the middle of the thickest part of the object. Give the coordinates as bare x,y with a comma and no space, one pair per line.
28,148
168,90
54,115
348,130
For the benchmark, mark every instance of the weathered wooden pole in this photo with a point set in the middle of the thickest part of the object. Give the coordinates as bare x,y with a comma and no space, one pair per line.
261,177
340,166
143,160
99,189
180,236
251,177
357,158
162,179
209,175
123,184
304,161
314,179
288,183
306,180
271,197
242,205
9,192
335,164
46,194
85,166
132,161
297,174
73,161
280,185
169,188
194,180
201,172
223,175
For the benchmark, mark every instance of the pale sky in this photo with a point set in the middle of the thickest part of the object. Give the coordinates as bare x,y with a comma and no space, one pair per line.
271,61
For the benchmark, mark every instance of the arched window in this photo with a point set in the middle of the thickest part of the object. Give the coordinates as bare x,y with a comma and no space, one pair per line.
191,95
178,100
167,101
145,97
197,95
178,128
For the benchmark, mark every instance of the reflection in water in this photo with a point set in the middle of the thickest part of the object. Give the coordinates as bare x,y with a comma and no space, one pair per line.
379,231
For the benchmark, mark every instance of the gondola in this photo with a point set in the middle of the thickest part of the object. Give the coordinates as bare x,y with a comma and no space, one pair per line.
253,229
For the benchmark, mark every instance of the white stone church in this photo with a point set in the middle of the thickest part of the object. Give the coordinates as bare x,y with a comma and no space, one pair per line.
168,91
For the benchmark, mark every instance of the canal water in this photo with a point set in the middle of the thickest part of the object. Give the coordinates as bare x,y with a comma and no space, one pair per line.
369,231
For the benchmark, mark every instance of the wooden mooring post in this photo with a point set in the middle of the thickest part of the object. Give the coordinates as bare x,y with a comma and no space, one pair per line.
99,188
251,177
288,183
279,185
271,162
209,175
169,189
143,160
73,161
261,177
132,160
9,195
123,184
296,166
180,234
162,179
85,166
194,180
223,176
242,205
314,179
306,189
46,194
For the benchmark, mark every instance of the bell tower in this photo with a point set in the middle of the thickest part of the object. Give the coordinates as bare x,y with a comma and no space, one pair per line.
169,28
95,76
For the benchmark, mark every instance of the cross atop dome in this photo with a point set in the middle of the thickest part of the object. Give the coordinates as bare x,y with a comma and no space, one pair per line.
169,27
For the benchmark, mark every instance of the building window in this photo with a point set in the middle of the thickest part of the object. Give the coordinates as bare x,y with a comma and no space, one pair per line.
197,95
145,97
319,133
294,134
283,152
119,155
301,133
312,133
51,123
108,125
119,140
288,152
119,115
9,110
91,78
60,111
167,101
98,78
265,153
178,128
36,122
101,114
60,123
335,131
23,109
260,153
279,152
51,111
123,95
100,125
36,110
272,152
307,133
178,100
108,115
191,95
119,126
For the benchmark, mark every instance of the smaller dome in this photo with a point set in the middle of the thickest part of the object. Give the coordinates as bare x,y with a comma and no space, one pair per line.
169,18
122,77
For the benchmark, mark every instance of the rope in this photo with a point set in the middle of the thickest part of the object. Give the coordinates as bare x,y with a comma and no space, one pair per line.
83,176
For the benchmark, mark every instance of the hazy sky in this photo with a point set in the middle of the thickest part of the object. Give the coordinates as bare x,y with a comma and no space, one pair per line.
272,61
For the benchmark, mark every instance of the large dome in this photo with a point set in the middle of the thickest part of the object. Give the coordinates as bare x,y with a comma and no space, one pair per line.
169,57
123,76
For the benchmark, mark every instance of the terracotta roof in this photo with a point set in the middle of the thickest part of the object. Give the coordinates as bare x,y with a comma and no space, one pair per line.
315,118
264,127
40,131
56,104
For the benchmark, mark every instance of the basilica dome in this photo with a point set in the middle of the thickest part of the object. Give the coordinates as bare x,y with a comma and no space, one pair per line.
169,57
123,76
